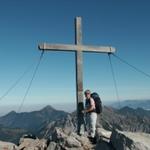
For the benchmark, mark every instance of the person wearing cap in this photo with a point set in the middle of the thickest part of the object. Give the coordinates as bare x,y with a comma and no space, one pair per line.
91,115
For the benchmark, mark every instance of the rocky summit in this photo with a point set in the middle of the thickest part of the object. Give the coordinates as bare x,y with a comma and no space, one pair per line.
106,140
124,129
130,141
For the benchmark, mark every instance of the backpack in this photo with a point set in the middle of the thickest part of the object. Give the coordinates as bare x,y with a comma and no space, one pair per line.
98,102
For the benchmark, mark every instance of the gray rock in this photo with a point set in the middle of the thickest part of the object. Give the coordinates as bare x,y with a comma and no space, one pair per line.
72,142
58,135
103,145
102,134
86,144
130,141
68,125
52,146
32,144
103,139
7,146
63,140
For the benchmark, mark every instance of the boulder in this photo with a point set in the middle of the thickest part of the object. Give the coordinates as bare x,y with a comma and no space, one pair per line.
7,146
35,144
85,142
58,135
103,139
72,142
102,134
130,141
103,145
52,146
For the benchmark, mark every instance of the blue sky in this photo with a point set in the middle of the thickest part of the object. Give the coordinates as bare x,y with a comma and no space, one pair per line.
122,24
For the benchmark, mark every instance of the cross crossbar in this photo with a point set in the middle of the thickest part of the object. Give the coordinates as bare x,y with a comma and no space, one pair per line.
71,47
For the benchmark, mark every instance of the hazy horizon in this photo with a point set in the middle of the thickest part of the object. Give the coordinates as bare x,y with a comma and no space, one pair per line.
68,107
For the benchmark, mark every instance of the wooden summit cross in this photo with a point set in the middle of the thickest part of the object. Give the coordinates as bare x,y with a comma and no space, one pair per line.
78,48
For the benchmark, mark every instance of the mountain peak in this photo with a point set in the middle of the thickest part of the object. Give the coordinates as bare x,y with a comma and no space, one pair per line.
48,108
12,113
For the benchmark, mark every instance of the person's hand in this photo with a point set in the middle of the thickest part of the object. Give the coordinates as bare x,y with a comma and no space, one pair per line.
83,111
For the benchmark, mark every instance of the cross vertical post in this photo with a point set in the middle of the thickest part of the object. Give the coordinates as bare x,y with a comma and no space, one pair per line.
79,76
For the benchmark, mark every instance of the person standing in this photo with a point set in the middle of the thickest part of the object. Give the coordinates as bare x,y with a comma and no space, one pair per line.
91,115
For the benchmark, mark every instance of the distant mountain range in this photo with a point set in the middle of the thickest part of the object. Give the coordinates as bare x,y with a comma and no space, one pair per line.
145,104
27,122
42,123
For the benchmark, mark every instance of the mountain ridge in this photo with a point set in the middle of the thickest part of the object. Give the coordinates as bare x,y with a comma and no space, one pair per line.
31,120
42,122
145,104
